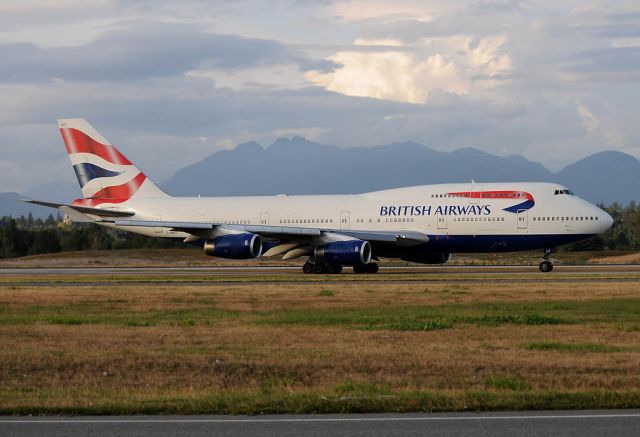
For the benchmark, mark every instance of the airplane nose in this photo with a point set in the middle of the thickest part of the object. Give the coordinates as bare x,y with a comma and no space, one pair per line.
606,220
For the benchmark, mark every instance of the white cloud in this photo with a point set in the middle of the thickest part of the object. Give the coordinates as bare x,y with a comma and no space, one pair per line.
450,64
265,77
503,76
378,42
390,75
356,10
487,57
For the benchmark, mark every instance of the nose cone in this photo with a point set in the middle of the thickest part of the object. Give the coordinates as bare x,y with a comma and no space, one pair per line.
606,221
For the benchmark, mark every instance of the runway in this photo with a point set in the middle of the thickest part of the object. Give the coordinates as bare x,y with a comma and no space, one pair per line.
256,275
619,423
275,269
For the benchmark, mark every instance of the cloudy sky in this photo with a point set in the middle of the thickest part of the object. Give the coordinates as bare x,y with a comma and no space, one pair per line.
172,82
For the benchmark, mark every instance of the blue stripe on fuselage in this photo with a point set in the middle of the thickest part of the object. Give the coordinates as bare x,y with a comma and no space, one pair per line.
479,244
527,204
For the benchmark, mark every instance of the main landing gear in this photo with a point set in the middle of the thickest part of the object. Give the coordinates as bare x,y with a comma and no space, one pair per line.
366,268
546,265
319,268
310,267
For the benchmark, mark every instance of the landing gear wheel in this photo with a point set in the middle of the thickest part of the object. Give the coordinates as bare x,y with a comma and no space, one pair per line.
360,268
319,268
307,267
545,266
371,268
333,269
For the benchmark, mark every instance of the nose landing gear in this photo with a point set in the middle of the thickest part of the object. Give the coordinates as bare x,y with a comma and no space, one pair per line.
547,265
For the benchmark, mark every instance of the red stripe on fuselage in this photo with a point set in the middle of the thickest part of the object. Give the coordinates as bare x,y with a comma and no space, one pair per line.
78,142
114,194
494,194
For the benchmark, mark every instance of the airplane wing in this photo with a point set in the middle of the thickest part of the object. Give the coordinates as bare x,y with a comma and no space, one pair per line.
286,233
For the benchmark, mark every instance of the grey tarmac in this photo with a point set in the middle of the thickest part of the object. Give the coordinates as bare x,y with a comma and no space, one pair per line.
274,269
256,275
601,423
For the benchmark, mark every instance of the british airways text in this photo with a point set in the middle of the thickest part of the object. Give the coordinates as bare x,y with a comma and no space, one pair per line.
416,210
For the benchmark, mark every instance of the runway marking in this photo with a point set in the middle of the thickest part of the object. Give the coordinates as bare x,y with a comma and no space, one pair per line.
327,419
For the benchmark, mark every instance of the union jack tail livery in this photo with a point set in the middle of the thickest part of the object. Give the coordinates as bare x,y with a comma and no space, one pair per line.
105,175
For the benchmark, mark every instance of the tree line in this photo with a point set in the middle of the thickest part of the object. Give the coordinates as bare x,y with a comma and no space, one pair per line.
31,236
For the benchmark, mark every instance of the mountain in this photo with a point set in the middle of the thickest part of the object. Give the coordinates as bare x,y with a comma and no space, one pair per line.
604,177
10,204
56,191
299,166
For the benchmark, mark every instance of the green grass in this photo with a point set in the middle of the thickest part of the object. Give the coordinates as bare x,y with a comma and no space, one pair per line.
361,399
573,347
420,318
409,325
508,382
68,320
109,314
351,387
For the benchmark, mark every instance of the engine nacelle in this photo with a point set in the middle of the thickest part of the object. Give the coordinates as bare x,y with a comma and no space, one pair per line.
429,258
234,246
346,253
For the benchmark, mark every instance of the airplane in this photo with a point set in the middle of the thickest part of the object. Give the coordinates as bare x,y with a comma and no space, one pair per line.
422,224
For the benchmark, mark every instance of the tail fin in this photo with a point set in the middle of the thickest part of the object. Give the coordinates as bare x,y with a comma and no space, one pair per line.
105,175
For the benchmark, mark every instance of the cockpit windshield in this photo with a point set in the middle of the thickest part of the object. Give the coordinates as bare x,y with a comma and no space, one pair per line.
567,192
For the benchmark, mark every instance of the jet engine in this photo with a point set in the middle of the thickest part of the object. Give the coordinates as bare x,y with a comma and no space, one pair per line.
346,253
428,258
234,246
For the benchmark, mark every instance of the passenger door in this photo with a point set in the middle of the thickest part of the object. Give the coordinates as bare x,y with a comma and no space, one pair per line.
522,217
476,193
345,220
264,218
442,222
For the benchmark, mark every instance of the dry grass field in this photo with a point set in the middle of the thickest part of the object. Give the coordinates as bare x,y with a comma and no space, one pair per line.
319,347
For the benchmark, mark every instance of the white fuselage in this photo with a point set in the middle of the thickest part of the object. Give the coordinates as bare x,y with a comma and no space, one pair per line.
463,214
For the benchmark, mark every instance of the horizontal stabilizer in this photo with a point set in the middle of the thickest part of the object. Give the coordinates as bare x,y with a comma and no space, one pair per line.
82,209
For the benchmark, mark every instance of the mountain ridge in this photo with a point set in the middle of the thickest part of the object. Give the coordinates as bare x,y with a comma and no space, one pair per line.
299,166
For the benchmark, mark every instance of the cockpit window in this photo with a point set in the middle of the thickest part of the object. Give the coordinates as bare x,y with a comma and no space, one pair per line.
567,192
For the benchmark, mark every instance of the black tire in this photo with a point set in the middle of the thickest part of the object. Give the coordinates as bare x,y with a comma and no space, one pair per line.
338,268
358,269
545,266
319,268
371,268
333,269
307,268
